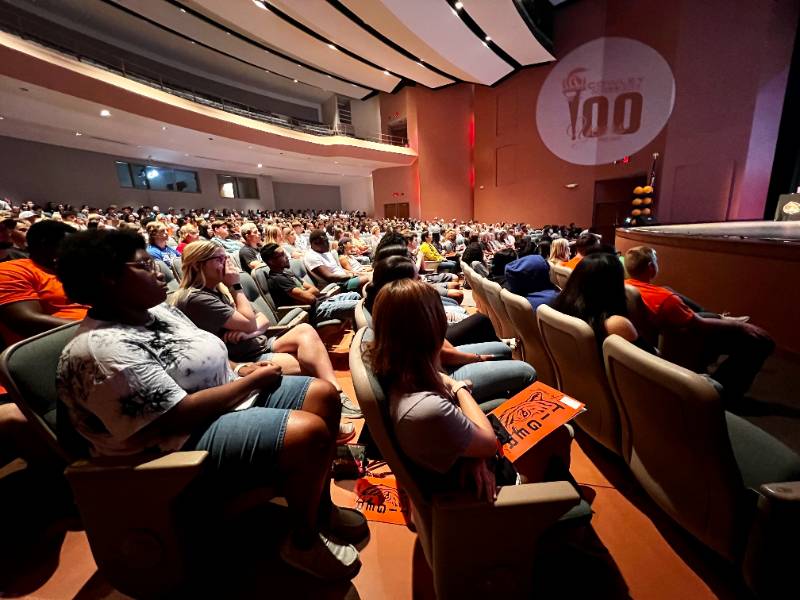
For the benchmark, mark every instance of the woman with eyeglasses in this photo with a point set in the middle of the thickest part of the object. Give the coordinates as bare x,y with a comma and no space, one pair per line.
139,376
211,295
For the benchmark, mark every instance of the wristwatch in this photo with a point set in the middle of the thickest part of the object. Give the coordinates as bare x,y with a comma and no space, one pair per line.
237,287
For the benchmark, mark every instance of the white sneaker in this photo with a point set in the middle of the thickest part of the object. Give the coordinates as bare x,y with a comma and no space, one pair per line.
324,559
349,409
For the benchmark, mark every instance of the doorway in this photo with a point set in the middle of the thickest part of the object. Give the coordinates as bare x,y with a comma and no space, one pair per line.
612,204
398,210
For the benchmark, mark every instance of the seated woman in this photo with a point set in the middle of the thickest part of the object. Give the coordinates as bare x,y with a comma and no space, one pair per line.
290,243
188,234
157,236
347,258
139,376
487,364
211,296
559,251
425,405
595,293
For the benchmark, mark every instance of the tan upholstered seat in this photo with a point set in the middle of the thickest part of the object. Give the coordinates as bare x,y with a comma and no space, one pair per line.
483,304
523,319
579,371
455,530
492,292
560,275
697,461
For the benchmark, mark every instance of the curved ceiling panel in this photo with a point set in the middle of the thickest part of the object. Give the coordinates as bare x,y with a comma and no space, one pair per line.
437,25
262,25
197,29
326,20
502,22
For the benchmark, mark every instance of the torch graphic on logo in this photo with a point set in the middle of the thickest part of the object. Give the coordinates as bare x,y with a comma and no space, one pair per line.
572,86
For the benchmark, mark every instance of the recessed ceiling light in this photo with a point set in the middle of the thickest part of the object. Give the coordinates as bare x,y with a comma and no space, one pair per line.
259,4
249,147
386,72
332,47
488,39
295,80
260,165
336,162
78,133
186,155
163,128
459,5
2,118
105,113
183,10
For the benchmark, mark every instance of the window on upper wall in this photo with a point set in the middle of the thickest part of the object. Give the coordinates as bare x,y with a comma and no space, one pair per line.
231,186
162,179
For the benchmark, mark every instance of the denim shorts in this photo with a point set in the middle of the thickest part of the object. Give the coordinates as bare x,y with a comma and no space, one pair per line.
245,444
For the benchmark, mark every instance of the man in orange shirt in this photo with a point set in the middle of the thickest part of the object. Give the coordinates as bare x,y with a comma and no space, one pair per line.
32,300
585,244
745,345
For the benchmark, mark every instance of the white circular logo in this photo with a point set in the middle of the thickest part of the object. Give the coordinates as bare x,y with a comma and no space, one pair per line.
604,101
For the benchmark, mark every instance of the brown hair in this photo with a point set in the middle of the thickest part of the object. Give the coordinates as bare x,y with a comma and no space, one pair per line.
637,259
410,325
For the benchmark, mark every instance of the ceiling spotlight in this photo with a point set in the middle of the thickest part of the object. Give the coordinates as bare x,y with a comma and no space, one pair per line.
488,39
260,165
78,133
295,80
459,5
183,10
163,128
386,72
332,47
2,118
186,155
105,113
259,4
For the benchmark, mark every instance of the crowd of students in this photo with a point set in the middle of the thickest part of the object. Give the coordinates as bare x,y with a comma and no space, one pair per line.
202,371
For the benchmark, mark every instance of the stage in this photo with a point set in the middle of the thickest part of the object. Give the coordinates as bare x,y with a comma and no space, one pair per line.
741,267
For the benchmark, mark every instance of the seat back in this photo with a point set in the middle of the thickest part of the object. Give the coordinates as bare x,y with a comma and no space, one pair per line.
524,322
260,276
674,422
28,372
640,316
236,259
492,292
177,268
169,276
372,401
361,318
580,373
483,304
560,275
250,290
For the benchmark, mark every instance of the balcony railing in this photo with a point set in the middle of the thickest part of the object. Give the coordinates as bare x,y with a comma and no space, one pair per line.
141,74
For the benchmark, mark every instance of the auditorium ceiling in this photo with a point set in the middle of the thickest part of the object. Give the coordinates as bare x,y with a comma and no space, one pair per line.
310,49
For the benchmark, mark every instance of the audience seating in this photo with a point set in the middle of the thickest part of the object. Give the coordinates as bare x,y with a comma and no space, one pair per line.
127,504
526,328
177,269
559,275
457,554
236,259
172,284
492,292
718,476
279,326
260,275
579,371
483,304
361,318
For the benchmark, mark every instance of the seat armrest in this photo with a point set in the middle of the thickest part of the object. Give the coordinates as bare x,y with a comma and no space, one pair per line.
276,330
282,311
293,317
478,546
130,510
330,290
788,491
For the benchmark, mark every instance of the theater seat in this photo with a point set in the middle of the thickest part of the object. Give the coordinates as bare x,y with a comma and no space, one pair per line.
474,549
580,373
278,325
559,275
492,291
127,505
523,319
727,482
483,304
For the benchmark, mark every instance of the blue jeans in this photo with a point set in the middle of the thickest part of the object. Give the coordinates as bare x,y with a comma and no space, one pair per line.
244,445
341,306
446,265
501,378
